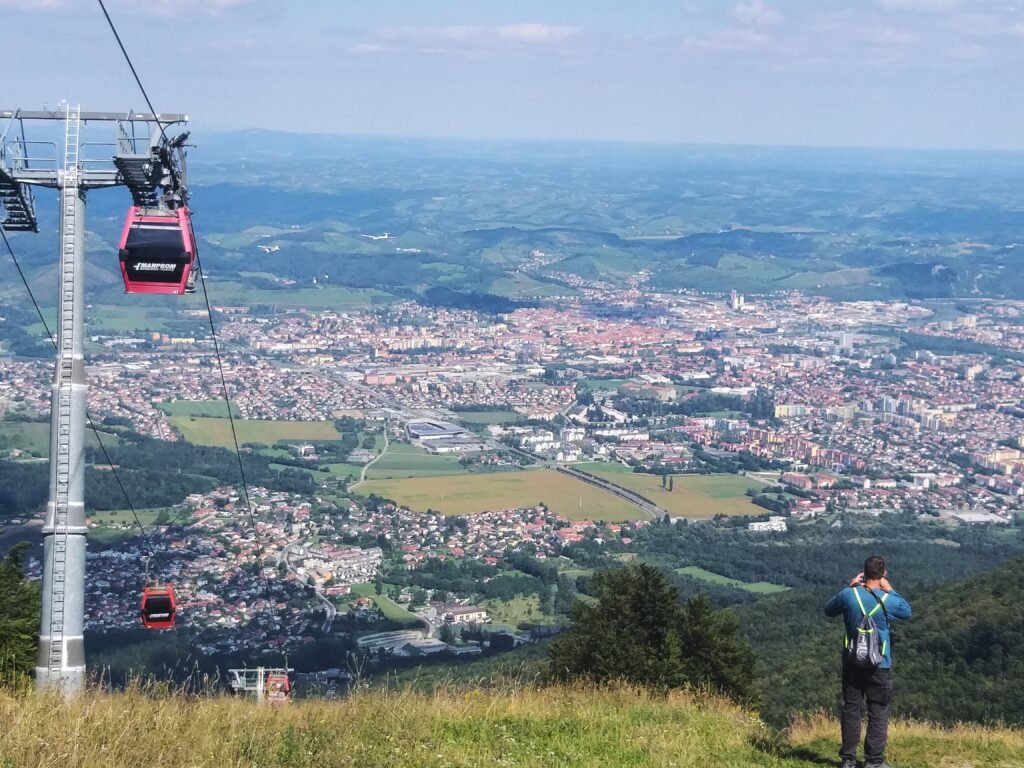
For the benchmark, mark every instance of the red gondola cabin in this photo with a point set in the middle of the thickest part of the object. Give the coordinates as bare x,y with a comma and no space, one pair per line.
158,606
158,251
278,689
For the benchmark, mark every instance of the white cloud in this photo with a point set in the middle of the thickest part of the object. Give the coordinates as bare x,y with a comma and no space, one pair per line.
33,5
890,36
535,33
463,37
118,7
756,14
730,40
928,6
450,34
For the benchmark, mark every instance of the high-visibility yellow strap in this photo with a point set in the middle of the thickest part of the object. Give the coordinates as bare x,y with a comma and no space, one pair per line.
860,603
878,605
856,593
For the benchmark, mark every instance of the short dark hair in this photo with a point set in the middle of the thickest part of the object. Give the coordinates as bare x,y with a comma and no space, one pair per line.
874,567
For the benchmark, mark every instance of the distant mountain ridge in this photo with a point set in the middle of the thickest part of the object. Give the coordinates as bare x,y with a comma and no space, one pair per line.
514,218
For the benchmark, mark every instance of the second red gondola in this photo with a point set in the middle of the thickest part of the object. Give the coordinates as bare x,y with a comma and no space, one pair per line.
159,606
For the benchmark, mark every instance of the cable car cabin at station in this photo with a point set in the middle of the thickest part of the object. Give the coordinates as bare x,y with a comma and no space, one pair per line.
158,606
278,689
158,251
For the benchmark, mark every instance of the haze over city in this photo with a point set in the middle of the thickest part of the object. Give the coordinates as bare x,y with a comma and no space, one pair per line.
906,73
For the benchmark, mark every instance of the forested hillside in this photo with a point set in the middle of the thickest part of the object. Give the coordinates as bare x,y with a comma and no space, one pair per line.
961,657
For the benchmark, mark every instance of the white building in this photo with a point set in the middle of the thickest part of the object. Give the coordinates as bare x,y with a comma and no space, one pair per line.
775,523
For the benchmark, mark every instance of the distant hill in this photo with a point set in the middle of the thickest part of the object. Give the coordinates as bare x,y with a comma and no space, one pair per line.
960,659
469,727
514,218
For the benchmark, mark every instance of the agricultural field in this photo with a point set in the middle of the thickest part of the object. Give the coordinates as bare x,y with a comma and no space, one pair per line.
34,437
109,317
124,516
696,496
609,467
314,297
758,587
200,430
488,417
470,493
344,470
403,460
210,408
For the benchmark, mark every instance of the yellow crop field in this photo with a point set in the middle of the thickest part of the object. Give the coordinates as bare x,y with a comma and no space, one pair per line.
468,493
200,430
692,495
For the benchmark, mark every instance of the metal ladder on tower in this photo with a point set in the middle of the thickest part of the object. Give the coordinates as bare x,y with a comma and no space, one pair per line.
65,367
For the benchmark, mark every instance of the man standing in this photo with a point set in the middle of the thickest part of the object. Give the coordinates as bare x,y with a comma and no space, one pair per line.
867,674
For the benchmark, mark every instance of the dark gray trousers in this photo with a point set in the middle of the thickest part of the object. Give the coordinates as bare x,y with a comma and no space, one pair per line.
876,686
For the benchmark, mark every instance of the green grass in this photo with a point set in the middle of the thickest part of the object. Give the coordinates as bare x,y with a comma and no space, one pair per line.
608,467
489,417
696,496
518,610
502,724
124,516
388,607
120,318
312,297
210,408
758,587
403,460
200,430
470,493
343,470
34,437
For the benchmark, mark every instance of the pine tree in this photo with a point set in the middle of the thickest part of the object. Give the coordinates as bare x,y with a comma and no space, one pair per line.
19,618
638,631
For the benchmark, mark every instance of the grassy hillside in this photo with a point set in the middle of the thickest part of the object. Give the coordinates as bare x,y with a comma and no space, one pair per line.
554,727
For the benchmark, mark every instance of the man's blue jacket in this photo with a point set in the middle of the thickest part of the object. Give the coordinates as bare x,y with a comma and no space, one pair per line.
853,602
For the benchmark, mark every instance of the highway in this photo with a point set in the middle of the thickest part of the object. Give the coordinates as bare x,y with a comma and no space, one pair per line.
654,511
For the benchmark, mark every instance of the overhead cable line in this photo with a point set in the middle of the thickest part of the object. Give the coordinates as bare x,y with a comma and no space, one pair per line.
96,433
213,330
234,431
131,66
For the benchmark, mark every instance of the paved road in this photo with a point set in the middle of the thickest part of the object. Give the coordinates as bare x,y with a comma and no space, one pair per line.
366,467
623,493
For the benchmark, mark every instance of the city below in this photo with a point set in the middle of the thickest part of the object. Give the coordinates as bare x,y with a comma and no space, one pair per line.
428,434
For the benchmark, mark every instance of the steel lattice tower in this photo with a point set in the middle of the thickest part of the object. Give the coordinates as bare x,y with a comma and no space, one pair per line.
135,163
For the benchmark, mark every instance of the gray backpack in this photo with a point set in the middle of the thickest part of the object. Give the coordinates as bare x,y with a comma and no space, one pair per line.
866,649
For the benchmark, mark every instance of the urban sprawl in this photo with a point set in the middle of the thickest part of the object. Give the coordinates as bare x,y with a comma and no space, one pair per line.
859,407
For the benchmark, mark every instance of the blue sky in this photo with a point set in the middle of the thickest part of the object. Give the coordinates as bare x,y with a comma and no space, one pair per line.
907,73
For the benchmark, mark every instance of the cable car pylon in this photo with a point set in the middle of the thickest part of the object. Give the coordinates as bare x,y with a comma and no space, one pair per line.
60,663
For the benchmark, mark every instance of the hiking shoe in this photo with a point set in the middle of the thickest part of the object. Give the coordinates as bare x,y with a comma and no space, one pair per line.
848,763
877,765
